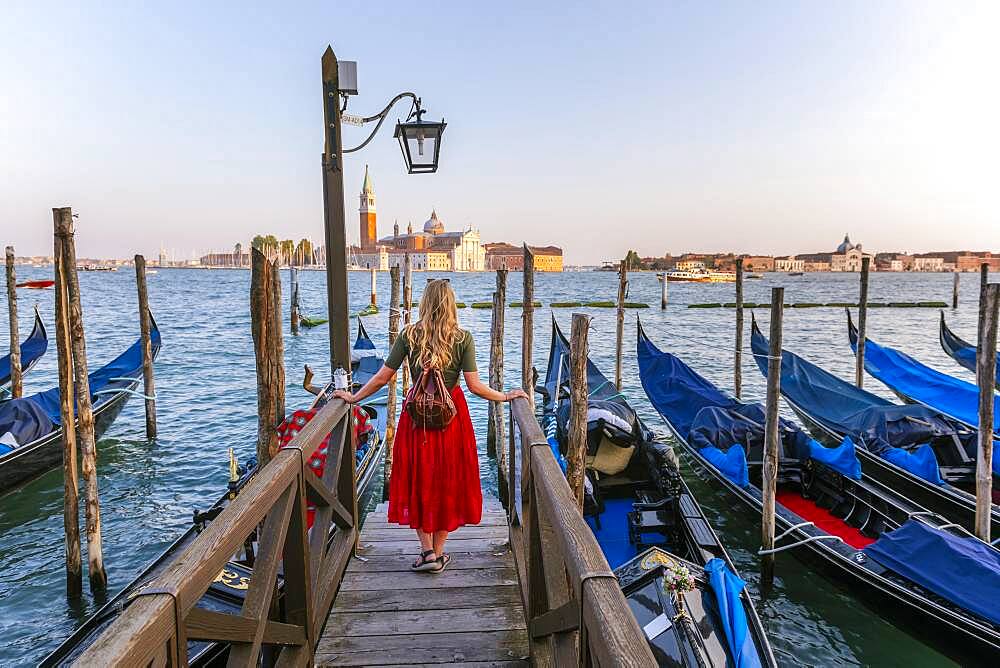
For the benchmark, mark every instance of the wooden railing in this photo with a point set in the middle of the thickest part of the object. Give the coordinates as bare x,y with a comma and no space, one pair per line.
155,627
577,614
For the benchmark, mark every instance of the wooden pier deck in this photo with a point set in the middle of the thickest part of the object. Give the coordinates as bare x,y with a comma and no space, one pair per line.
470,615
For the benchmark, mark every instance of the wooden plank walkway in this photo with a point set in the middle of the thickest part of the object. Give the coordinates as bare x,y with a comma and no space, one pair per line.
470,615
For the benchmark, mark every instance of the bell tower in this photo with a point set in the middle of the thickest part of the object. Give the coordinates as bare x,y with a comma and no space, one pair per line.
369,235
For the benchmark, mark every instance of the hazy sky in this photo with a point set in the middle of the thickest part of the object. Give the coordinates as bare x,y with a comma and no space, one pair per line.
661,126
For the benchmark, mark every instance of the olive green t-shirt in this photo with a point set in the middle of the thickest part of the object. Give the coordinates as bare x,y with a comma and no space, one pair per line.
463,358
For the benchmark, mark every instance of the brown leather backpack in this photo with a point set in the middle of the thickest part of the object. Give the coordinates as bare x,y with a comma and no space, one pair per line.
429,402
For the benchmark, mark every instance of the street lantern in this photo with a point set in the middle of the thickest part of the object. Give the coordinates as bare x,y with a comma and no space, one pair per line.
420,142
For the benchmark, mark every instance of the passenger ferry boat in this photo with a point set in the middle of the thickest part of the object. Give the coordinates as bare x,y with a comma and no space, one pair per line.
701,275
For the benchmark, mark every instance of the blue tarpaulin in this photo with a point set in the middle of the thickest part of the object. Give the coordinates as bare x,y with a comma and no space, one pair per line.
727,587
842,458
31,349
921,462
24,419
964,570
878,425
961,350
732,462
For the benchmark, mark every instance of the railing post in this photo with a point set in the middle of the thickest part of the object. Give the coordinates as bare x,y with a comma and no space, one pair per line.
145,328
771,438
576,443
986,365
16,385
859,370
527,325
738,357
84,408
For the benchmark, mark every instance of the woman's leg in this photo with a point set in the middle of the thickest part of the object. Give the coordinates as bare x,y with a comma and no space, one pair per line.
439,539
427,542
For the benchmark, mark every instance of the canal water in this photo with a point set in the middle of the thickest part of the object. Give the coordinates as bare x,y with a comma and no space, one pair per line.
206,386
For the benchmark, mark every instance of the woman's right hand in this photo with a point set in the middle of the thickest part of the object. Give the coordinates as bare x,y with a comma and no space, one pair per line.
515,394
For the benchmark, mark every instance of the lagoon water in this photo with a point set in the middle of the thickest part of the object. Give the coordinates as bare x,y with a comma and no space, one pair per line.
206,386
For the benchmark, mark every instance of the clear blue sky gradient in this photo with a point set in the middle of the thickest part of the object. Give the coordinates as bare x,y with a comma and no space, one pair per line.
600,127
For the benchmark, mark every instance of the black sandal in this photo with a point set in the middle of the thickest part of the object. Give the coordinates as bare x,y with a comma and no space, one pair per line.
424,564
442,562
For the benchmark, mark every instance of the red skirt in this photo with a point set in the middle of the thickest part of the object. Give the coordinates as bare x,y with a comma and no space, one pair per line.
434,484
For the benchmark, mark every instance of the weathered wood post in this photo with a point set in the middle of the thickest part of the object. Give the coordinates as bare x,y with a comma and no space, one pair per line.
495,422
390,426
71,491
771,439
984,279
954,289
620,322
16,384
84,408
374,297
265,327
663,292
145,329
407,314
528,325
986,368
859,369
576,443
738,357
293,294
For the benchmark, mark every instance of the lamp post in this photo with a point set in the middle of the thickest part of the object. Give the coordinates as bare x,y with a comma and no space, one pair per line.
420,142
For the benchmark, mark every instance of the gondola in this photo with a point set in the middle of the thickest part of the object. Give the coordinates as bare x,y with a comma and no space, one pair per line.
227,592
912,565
31,429
917,383
927,457
960,350
650,526
32,350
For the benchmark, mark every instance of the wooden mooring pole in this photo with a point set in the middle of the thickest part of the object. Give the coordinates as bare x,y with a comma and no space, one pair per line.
71,491
738,356
528,325
269,352
16,384
374,301
859,368
954,290
63,221
390,426
407,314
620,322
663,292
576,443
986,368
293,299
771,440
145,329
495,423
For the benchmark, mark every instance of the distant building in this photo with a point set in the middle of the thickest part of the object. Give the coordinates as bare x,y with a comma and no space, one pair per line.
464,249
928,264
972,261
789,263
510,257
225,259
369,231
421,260
758,263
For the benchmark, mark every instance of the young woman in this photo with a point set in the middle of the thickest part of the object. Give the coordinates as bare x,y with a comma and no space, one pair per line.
434,487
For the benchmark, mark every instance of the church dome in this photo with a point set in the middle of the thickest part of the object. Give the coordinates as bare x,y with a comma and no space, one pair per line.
433,224
845,245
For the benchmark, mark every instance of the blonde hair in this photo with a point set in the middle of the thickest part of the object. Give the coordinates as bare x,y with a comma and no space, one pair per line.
434,336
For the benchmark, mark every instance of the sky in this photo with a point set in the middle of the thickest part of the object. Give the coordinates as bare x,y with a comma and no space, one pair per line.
758,127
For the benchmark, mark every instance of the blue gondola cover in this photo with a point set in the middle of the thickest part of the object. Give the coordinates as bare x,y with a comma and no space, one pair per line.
24,420
842,458
732,462
31,349
963,570
921,462
727,587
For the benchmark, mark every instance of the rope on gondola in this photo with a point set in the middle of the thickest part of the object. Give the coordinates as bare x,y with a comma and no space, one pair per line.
762,551
126,391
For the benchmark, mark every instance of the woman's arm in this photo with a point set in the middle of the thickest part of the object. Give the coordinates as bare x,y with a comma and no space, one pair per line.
481,389
371,387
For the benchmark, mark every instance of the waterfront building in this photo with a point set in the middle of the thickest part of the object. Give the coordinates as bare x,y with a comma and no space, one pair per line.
928,264
421,260
377,258
965,261
789,263
223,259
508,256
756,263
463,249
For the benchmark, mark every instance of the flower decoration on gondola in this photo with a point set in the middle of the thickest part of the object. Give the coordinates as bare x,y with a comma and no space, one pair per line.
677,580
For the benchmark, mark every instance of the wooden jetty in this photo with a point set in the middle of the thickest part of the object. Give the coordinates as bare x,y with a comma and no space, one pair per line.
469,615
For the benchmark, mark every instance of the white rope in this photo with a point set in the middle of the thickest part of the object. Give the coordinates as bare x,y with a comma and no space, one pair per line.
801,542
126,391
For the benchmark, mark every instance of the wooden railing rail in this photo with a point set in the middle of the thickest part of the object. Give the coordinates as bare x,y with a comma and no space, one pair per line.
577,614
155,627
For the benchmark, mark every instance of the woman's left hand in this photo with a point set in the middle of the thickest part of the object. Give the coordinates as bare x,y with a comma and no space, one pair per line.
346,396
